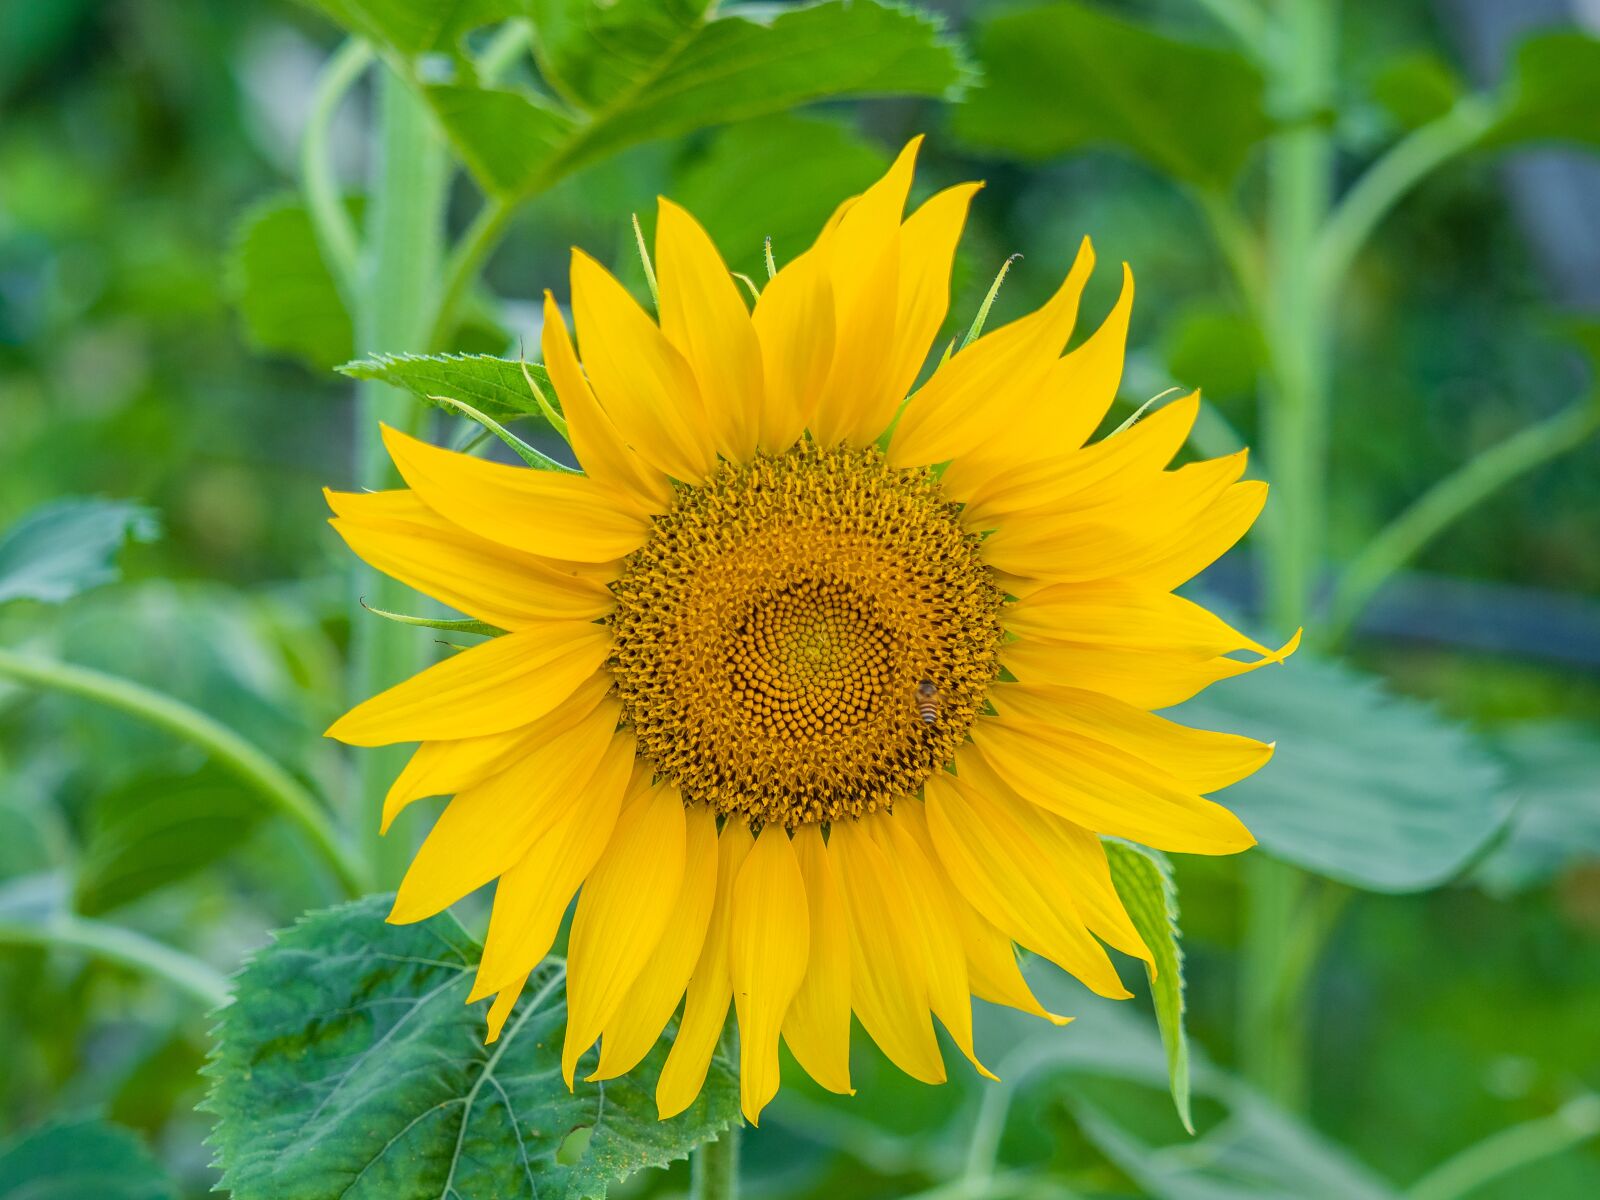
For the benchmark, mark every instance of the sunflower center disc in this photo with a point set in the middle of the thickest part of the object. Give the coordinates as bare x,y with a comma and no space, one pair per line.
772,633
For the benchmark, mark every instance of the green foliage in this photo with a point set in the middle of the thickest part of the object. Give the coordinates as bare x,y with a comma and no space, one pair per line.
283,288
637,72
1416,88
348,1064
1554,786
1553,92
68,546
416,26
1372,789
495,387
157,829
1215,348
1143,879
78,1159
1064,75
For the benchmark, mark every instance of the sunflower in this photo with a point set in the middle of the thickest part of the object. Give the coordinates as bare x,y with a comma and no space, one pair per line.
819,698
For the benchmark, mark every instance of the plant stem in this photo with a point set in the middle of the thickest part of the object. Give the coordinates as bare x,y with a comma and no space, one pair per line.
1574,1123
394,313
1242,18
225,747
466,260
1387,181
116,944
330,219
714,1168
1447,500
1293,420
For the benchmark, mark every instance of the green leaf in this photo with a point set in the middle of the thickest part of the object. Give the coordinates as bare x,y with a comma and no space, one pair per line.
68,546
348,1065
1143,879
158,829
1554,766
416,26
1552,93
1215,348
1416,88
1372,789
493,386
777,177
636,72
1064,75
75,1159
283,288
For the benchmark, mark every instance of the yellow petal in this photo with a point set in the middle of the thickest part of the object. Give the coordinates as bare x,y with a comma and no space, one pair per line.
600,450
931,917
622,911
541,512
979,389
794,321
992,966
498,685
654,995
504,1002
817,1026
1198,758
644,384
888,977
488,828
1124,615
710,987
1104,790
444,768
533,895
1209,537
704,317
769,936
1003,874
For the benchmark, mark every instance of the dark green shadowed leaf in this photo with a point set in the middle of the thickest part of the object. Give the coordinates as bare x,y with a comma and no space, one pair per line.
1143,879
493,386
68,546
416,26
87,1159
348,1065
283,288
1064,75
1374,790
1553,93
1416,88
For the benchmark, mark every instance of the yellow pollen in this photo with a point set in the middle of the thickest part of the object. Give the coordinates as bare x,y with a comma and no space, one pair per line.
772,634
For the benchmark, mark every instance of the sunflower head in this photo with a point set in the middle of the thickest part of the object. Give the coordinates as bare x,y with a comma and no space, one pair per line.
818,688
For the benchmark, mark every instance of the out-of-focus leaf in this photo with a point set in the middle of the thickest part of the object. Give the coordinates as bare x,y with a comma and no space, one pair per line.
495,387
159,829
1143,879
357,1029
1064,75
1552,93
75,1160
416,26
628,81
776,177
1555,786
68,546
1215,349
283,288
1372,789
1416,87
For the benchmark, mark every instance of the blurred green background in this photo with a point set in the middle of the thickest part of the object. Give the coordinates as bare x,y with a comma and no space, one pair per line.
143,145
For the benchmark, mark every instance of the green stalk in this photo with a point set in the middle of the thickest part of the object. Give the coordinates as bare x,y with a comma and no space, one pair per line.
126,948
336,232
714,1168
1294,428
222,745
1574,1123
396,305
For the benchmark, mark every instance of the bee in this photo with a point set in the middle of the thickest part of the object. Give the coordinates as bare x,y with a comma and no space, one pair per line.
928,702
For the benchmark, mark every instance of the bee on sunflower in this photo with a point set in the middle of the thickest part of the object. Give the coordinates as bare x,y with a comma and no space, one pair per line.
818,697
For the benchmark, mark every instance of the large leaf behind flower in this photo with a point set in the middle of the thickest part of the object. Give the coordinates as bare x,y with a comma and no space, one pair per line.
68,546
348,1065
1366,787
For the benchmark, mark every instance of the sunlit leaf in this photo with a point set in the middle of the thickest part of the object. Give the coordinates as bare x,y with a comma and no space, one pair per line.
493,386
1143,880
356,1030
1553,91
1372,789
416,26
1065,75
83,1158
283,288
68,546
